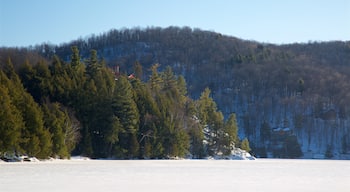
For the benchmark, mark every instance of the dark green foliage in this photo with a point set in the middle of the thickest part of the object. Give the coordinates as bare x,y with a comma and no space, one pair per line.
68,108
149,120
124,106
245,145
230,134
258,81
56,121
37,139
298,83
221,136
75,57
11,122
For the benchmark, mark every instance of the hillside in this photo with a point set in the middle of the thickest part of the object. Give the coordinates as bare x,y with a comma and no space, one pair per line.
280,93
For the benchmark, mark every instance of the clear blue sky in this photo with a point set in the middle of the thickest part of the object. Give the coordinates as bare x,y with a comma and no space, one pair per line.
30,22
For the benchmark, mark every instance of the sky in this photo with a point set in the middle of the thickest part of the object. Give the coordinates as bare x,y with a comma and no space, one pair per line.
32,22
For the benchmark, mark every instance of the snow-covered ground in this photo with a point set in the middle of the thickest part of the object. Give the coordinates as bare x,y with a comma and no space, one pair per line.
175,175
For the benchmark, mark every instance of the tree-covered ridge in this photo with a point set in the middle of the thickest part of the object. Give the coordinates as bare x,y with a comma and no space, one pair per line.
300,87
83,107
299,91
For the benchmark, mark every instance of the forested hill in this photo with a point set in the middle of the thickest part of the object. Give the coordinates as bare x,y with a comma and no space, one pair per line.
279,92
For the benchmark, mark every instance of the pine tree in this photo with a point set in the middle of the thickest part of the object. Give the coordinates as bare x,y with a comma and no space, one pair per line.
206,105
155,80
182,87
60,81
92,65
169,85
10,73
55,119
124,107
112,135
37,80
75,57
245,145
35,139
138,70
196,137
231,134
149,115
76,72
11,122
195,130
212,122
181,143
43,79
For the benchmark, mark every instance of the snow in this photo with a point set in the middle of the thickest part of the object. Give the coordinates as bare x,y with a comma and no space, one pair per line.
263,175
236,154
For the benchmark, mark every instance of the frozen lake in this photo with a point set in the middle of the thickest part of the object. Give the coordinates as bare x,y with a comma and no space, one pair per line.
176,175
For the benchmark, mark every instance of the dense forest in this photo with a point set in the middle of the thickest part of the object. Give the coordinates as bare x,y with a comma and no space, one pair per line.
285,97
83,107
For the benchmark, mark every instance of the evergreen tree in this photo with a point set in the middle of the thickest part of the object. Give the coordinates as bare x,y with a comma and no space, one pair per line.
43,78
11,122
212,123
206,106
35,139
60,81
124,107
169,85
112,135
149,119
37,80
182,87
92,65
196,140
181,144
172,107
75,57
231,134
245,145
55,120
138,70
155,80
27,74
195,130
76,72
9,70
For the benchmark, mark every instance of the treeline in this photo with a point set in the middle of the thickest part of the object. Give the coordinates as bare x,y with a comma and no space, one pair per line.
304,87
83,107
